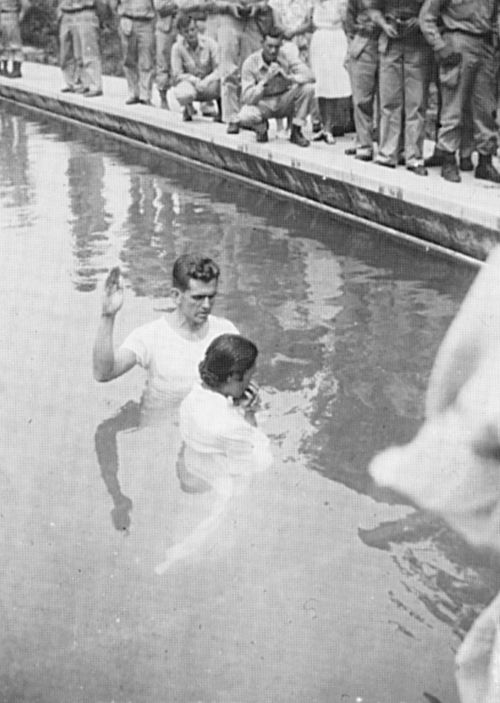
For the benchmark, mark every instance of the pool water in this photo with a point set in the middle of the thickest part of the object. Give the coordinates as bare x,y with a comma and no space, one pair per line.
316,586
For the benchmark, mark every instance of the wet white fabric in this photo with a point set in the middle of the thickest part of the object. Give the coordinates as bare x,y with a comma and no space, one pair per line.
452,467
221,447
219,441
170,360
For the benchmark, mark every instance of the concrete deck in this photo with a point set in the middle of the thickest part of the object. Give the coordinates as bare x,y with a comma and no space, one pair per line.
464,217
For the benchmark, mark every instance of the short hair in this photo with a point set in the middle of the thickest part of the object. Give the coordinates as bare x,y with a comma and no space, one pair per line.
193,266
227,355
183,21
274,33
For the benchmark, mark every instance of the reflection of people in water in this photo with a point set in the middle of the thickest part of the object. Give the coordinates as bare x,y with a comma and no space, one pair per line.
169,349
217,422
452,467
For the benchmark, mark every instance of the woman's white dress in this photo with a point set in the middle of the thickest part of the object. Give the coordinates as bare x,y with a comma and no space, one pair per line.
328,50
220,443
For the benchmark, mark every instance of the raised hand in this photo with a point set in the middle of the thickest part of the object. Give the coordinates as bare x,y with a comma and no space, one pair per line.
113,292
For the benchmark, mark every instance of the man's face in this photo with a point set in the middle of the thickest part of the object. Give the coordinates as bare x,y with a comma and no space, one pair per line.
270,49
191,34
197,301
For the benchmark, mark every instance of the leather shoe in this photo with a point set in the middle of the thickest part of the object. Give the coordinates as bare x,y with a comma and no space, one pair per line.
81,90
296,137
145,102
418,169
387,164
437,158
233,128
134,100
466,164
450,172
316,127
350,151
261,132
364,156
93,93
186,115
487,172
67,89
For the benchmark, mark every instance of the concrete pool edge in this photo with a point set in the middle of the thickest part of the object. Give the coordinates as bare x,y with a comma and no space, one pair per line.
394,200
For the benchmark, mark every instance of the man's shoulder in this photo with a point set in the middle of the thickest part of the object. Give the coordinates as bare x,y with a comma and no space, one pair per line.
150,329
221,325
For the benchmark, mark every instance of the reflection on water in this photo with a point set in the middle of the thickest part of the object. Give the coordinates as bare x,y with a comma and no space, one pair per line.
347,322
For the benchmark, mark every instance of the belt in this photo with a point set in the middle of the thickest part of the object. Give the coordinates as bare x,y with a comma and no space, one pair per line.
138,19
78,9
485,35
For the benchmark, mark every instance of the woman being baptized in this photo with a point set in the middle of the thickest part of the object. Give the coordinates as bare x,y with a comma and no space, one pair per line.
222,443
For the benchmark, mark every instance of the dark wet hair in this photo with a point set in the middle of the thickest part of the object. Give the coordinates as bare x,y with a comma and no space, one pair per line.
183,21
226,355
188,266
274,33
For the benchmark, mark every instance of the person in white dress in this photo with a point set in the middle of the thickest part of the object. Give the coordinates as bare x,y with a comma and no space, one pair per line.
223,445
327,53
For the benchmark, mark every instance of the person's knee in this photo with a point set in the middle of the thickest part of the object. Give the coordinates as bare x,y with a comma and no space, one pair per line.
184,93
249,115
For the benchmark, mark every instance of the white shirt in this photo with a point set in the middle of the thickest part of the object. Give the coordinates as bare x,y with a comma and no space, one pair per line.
219,441
170,360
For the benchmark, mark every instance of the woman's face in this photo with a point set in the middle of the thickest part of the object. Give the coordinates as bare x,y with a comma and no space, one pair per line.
238,386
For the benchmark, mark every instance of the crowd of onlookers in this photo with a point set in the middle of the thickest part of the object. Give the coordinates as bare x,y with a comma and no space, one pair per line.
324,62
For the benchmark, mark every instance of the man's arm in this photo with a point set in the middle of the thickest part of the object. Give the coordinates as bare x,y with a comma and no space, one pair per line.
350,19
252,88
377,17
177,67
107,363
214,61
428,20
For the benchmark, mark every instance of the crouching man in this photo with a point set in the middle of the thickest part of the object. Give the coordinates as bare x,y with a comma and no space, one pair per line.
274,85
195,67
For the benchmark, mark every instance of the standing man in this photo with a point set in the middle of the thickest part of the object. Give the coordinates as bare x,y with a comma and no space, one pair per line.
405,66
362,36
464,37
80,55
137,34
273,85
11,14
165,37
195,67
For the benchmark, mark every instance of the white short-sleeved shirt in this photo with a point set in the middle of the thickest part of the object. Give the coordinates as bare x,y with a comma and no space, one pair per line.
219,441
170,360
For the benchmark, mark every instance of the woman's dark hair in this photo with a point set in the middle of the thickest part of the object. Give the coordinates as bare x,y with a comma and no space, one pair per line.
200,268
226,355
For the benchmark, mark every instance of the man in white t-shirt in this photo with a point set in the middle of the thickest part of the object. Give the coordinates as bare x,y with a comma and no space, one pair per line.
169,349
